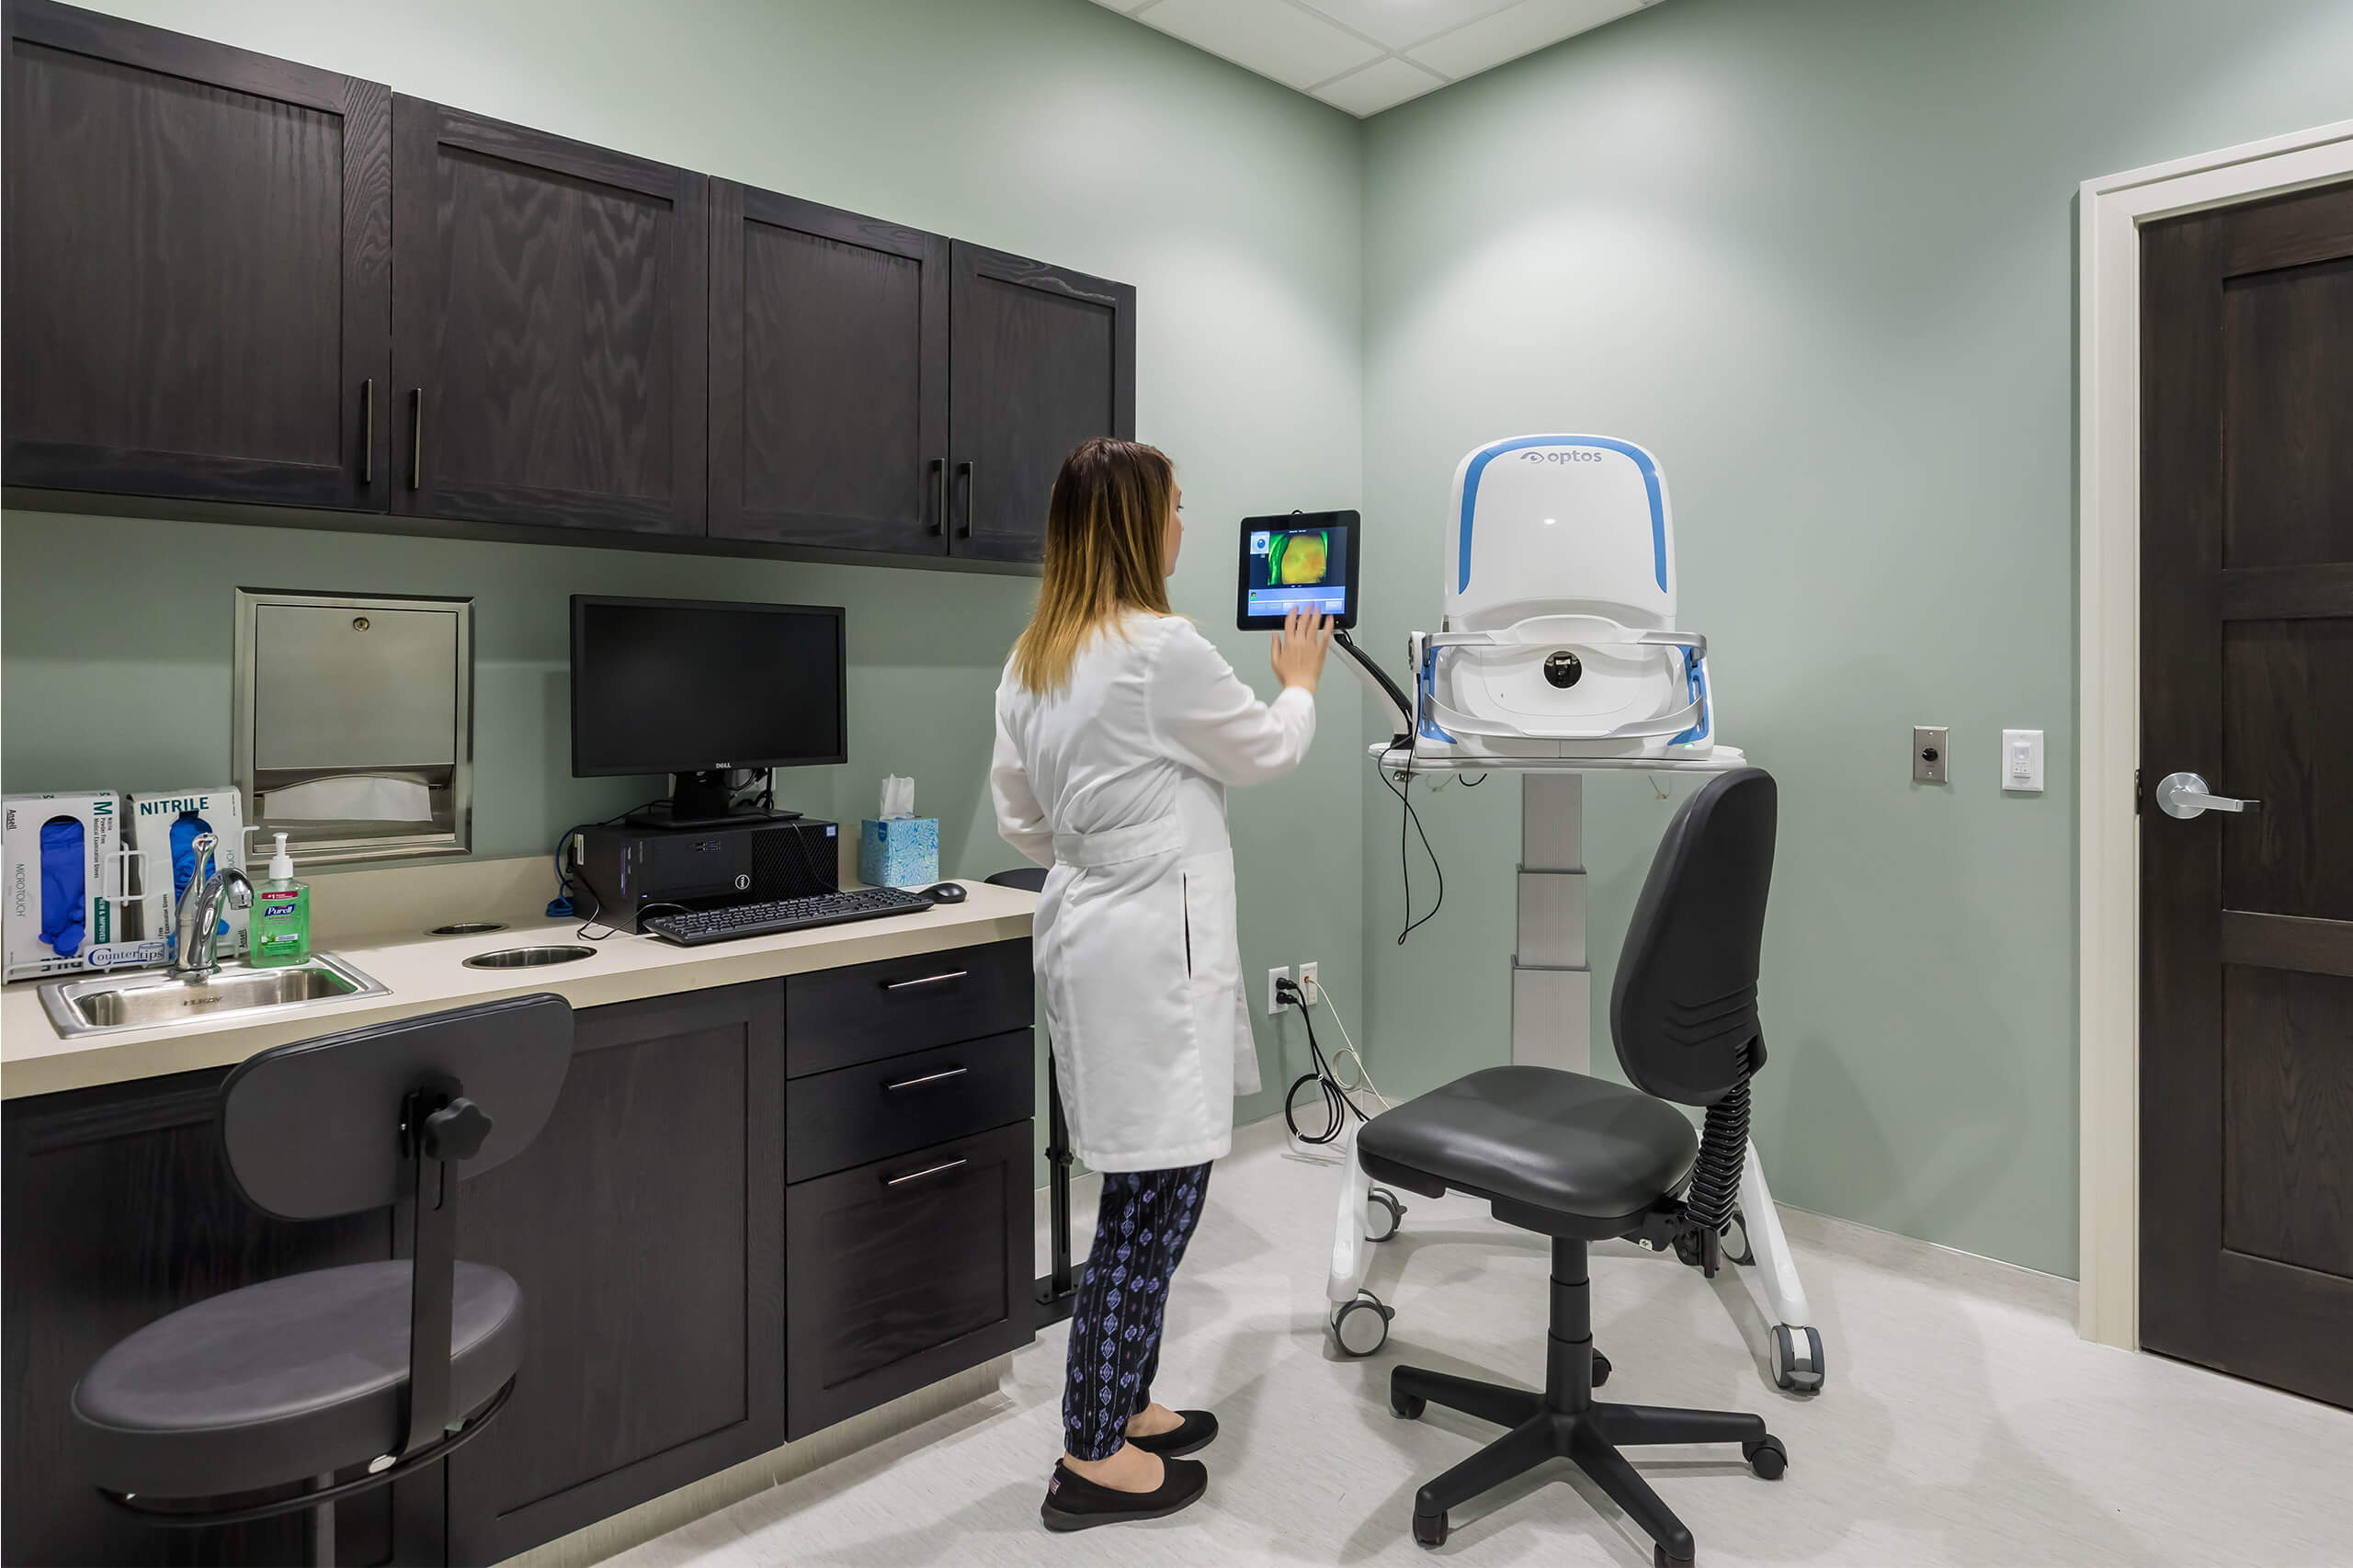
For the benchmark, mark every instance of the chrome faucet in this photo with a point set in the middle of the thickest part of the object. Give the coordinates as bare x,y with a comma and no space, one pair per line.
199,911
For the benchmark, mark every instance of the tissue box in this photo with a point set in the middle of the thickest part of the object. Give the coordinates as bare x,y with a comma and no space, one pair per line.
94,867
217,808
903,852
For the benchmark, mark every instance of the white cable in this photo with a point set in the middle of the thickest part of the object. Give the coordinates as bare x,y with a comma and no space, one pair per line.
1364,1078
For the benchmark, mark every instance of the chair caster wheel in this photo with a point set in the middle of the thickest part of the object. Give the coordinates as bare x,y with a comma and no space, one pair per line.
1361,1326
1797,1358
1409,1408
1766,1457
1383,1214
1600,1369
1430,1529
1659,1557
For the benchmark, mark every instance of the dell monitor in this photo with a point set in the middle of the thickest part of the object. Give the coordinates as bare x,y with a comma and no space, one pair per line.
694,687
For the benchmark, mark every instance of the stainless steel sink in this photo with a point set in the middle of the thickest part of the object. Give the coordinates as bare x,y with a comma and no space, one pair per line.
529,958
152,997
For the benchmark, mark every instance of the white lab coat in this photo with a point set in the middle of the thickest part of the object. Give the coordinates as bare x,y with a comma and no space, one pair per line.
1118,783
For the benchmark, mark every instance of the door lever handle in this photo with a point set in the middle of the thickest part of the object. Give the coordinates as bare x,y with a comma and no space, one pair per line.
2185,795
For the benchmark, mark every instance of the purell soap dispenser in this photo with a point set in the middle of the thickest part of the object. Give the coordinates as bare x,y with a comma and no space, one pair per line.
281,921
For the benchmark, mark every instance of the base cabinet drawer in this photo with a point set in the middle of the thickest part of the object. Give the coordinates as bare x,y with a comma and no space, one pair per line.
838,1017
859,1115
904,1271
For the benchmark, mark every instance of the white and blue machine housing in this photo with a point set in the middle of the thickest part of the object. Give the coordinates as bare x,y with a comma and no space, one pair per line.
1559,637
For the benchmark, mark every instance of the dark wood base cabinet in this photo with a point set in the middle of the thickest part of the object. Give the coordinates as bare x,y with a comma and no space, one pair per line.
687,1307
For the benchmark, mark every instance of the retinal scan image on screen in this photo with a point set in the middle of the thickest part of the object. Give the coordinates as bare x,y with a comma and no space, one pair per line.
1298,567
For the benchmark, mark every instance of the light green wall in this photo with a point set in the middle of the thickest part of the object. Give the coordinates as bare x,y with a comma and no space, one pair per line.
1051,127
1817,255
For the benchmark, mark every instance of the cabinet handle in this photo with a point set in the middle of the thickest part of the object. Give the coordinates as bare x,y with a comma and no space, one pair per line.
964,473
416,438
368,431
926,980
918,1175
926,1078
938,496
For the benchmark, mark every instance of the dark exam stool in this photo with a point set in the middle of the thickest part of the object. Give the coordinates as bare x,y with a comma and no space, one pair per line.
1581,1159
292,1393
1059,1287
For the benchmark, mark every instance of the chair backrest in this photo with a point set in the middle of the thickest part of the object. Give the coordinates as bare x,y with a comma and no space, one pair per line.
312,1130
1029,879
1683,1011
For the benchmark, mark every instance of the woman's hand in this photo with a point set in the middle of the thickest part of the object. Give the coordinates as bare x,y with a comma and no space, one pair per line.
1300,646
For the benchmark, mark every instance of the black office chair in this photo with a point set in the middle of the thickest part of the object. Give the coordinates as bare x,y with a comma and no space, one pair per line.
1581,1159
295,1392
1057,1290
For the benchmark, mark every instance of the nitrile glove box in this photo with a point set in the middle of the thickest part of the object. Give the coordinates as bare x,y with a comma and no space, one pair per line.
164,829
63,908
903,852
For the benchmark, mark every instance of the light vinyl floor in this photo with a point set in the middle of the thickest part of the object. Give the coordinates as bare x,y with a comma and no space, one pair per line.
1963,1421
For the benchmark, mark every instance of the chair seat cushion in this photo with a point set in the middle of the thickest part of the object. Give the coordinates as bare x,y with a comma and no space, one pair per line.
283,1381
1580,1148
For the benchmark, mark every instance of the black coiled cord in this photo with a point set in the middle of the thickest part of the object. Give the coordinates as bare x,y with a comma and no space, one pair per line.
1337,1106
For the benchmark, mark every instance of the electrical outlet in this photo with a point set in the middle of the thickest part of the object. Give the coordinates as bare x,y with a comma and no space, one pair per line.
1274,1004
1307,985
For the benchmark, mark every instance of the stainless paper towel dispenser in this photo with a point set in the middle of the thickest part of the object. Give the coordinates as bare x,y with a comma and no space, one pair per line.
354,723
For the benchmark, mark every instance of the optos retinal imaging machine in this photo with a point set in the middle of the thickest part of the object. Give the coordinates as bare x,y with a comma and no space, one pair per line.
1558,655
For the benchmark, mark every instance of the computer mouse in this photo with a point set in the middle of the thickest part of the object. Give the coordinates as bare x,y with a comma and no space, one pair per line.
944,893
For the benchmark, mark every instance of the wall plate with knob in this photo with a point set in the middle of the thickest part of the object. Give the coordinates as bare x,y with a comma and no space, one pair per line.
1931,744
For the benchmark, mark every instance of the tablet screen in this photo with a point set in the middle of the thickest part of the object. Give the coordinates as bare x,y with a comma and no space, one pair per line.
1298,560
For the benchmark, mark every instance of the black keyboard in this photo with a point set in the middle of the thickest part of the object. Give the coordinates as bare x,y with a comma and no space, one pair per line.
695,927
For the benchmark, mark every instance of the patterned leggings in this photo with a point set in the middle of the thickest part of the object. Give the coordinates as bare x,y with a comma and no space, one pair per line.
1140,1235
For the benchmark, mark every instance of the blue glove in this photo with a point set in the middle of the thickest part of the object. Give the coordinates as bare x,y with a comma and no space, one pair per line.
186,829
62,874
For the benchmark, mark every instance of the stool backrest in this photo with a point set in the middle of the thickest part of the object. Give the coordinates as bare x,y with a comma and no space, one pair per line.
1683,1011
1029,879
312,1130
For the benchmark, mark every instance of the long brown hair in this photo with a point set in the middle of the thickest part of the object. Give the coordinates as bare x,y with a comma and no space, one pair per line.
1104,529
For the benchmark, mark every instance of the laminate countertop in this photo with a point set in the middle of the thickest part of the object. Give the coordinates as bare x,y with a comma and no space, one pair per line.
426,974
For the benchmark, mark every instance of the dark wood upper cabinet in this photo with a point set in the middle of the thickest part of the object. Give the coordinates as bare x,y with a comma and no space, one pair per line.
550,321
197,261
828,376
1043,357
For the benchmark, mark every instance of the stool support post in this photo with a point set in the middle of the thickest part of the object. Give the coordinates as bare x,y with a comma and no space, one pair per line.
1568,1338
319,1537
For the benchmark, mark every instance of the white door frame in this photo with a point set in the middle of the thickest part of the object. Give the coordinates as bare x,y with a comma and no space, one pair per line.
2108,422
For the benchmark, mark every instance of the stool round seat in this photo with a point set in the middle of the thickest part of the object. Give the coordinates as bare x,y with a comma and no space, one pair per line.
294,1377
1580,1148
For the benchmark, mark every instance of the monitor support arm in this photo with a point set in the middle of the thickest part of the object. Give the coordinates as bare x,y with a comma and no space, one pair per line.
1401,711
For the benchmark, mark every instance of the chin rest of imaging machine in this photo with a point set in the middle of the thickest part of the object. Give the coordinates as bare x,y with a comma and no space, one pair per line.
1558,656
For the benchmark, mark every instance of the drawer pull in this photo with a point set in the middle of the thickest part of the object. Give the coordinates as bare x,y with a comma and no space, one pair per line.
926,980
926,1078
918,1175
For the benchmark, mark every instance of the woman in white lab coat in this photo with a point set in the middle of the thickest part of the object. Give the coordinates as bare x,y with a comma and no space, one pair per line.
1119,727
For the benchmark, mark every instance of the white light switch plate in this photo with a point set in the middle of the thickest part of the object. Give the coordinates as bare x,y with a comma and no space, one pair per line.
2022,761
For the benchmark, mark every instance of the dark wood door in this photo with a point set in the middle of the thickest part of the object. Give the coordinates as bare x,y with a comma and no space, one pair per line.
828,376
1043,357
645,1227
196,267
907,1271
550,316
117,1208
2247,1071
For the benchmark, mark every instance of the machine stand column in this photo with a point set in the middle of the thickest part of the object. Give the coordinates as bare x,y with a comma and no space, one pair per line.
1552,986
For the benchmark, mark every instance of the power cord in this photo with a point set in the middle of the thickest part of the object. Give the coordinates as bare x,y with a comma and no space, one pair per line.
1405,863
1336,1092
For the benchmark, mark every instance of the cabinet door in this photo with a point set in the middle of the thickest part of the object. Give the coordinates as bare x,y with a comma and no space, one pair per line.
828,376
645,1225
1043,357
549,323
907,1271
197,270
118,1210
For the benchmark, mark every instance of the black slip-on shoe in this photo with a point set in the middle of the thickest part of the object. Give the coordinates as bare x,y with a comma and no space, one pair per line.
1196,1430
1074,1503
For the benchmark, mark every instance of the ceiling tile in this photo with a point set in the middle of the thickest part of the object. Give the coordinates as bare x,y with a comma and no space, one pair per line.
1516,30
1380,86
1271,37
1394,24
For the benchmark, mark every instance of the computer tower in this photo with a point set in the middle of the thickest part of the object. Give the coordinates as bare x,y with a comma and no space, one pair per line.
624,871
